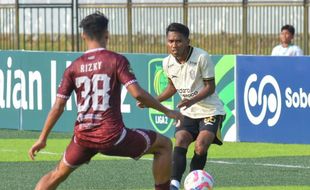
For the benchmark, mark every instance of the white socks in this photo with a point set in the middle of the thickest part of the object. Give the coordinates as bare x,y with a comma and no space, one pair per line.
175,183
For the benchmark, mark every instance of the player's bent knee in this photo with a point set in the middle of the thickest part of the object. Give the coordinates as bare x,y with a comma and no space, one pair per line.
168,144
57,176
183,139
201,149
60,175
183,142
162,144
61,172
165,141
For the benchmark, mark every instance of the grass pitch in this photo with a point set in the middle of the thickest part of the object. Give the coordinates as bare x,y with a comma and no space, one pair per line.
235,166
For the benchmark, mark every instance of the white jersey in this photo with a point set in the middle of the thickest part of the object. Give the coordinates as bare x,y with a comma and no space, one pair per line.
188,80
291,50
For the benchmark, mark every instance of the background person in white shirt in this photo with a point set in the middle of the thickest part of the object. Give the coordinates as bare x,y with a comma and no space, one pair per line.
286,47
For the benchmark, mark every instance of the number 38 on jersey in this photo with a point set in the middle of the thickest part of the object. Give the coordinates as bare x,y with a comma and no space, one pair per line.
95,89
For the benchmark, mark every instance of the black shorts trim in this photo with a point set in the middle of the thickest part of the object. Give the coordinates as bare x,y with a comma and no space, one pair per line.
211,123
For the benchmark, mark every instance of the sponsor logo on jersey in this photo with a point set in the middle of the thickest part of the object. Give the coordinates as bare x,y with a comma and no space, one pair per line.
170,65
186,92
192,63
192,74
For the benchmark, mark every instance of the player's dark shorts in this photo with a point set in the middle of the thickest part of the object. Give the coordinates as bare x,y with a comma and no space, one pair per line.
132,143
212,124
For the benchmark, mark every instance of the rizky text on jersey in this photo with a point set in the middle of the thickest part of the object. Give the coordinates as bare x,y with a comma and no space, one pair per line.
88,67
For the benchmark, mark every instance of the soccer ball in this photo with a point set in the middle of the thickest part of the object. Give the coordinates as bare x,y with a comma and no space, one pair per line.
198,180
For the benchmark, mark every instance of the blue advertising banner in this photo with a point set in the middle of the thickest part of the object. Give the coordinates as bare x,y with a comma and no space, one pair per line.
273,99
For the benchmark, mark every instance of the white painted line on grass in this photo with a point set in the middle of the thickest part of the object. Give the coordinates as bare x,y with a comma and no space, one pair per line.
283,166
41,152
232,163
260,164
211,161
50,153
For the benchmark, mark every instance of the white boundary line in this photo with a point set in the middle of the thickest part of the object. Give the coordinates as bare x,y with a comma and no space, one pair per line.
260,164
50,153
211,161
41,152
234,163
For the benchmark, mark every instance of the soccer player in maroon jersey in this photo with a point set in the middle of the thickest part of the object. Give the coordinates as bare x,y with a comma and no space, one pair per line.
96,77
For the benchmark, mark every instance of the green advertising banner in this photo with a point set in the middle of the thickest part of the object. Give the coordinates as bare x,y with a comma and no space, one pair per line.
29,81
10,114
225,87
157,82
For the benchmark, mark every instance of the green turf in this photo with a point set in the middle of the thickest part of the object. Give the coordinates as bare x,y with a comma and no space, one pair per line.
14,134
235,166
129,174
16,150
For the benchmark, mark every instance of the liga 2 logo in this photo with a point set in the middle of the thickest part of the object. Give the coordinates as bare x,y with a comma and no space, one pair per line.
270,100
157,83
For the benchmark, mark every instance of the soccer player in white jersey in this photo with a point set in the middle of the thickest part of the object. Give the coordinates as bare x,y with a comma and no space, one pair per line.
190,72
286,47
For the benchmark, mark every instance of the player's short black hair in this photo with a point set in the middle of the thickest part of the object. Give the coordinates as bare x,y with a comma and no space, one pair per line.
94,25
289,28
178,27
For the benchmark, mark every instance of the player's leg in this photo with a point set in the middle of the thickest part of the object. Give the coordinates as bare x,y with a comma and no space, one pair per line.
202,144
74,156
162,151
210,132
135,143
184,135
52,179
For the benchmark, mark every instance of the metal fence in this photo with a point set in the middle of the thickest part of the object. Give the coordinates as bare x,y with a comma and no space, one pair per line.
230,27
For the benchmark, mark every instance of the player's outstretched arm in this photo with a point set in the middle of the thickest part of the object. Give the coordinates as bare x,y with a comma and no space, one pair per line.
149,101
167,93
50,121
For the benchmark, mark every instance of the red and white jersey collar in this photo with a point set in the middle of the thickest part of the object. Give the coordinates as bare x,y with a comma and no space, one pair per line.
94,50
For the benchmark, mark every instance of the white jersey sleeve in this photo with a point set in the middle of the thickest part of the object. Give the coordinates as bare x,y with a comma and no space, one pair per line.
165,66
206,67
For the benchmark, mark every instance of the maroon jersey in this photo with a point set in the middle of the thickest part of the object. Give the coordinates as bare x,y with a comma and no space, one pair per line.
96,77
